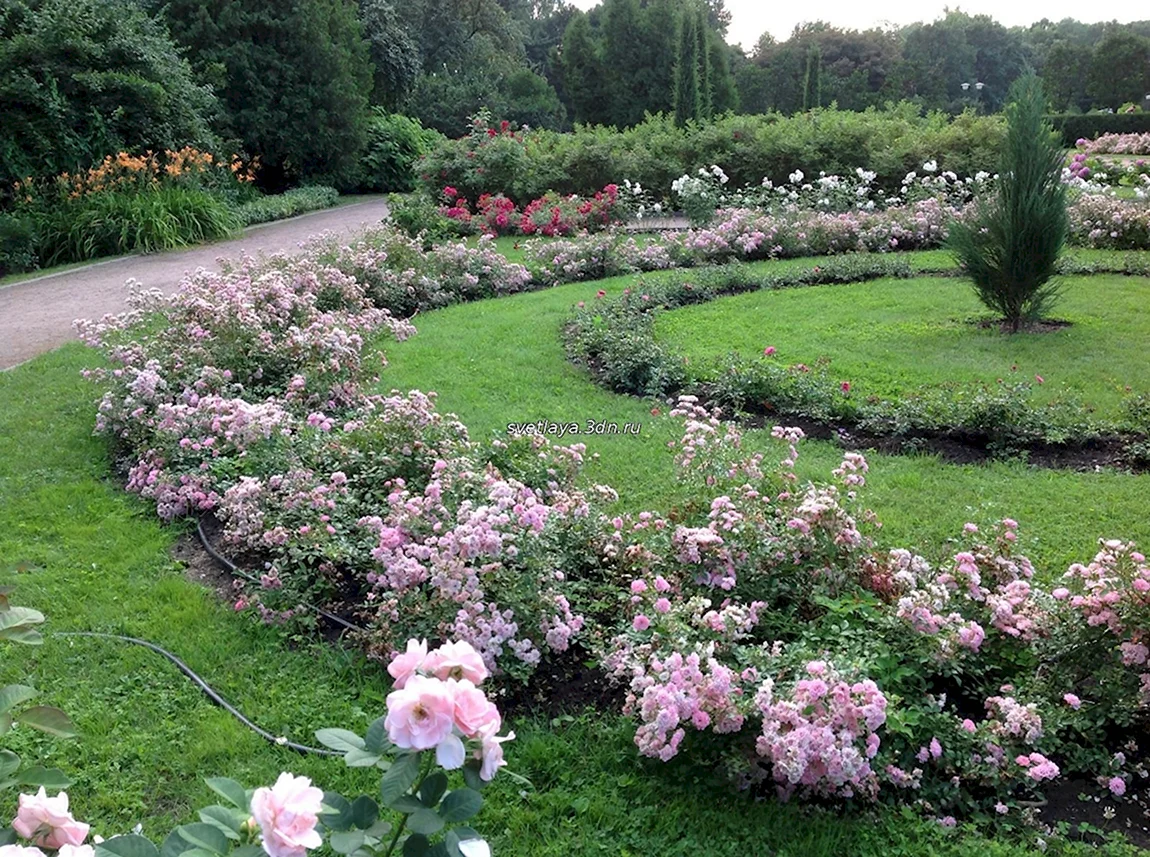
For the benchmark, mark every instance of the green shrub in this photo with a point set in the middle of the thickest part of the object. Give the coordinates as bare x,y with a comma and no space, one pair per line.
80,79
1011,246
296,201
17,245
1074,127
111,223
892,142
394,144
417,215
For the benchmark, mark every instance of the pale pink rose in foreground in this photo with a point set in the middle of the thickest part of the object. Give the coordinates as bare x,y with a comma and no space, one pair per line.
287,814
75,851
46,821
474,712
492,754
421,715
402,667
20,851
457,661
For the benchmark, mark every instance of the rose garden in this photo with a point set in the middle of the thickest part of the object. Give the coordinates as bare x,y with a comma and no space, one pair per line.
654,494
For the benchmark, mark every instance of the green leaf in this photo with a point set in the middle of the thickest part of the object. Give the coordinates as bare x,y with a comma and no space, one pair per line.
131,845
48,719
471,775
380,829
16,625
49,778
416,846
249,851
364,812
339,739
461,805
7,836
224,818
399,778
407,804
457,835
9,763
231,791
376,739
425,821
13,694
347,841
338,812
360,758
206,836
174,845
432,789
5,723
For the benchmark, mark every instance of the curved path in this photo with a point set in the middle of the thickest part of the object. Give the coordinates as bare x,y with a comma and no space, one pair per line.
36,315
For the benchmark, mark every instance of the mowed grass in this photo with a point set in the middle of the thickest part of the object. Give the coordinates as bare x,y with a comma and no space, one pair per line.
891,337
501,361
149,737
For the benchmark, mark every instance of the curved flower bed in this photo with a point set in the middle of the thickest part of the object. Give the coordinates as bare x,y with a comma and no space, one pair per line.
761,625
615,339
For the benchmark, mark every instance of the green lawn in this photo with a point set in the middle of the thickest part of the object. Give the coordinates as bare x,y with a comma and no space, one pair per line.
149,737
501,361
891,337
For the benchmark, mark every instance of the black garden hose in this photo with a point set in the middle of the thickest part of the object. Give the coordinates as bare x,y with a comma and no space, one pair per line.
207,689
231,567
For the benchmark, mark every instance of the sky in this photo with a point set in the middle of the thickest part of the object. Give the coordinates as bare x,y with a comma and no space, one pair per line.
751,18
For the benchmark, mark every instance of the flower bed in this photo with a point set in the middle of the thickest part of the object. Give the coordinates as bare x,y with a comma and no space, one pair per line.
762,626
616,340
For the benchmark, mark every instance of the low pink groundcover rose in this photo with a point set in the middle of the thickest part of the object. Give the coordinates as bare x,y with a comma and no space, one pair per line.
46,821
287,814
457,661
421,715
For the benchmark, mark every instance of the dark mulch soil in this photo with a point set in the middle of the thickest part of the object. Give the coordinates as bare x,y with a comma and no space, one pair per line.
1082,802
959,448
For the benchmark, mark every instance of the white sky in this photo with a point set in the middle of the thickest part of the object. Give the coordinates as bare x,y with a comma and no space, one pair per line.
751,18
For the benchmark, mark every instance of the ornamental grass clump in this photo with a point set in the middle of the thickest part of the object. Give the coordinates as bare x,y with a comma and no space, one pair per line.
1010,247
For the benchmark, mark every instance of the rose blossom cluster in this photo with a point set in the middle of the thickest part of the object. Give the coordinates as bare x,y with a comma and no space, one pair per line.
822,733
437,704
46,822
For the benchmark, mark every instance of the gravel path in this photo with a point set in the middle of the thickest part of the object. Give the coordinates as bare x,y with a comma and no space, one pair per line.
36,315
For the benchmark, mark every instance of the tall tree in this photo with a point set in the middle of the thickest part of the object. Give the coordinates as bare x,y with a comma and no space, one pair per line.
687,101
1119,70
583,72
394,52
293,78
703,41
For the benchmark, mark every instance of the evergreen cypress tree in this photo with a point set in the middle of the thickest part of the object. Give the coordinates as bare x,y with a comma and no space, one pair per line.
1009,249
687,103
703,57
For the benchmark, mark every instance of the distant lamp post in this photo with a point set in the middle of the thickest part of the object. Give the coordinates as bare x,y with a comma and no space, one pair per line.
978,87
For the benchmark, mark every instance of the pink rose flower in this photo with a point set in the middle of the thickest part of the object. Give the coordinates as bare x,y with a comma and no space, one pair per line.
46,821
21,851
968,725
663,605
768,351
1117,786
641,623
403,667
491,753
287,814
421,715
457,661
474,712
1072,700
